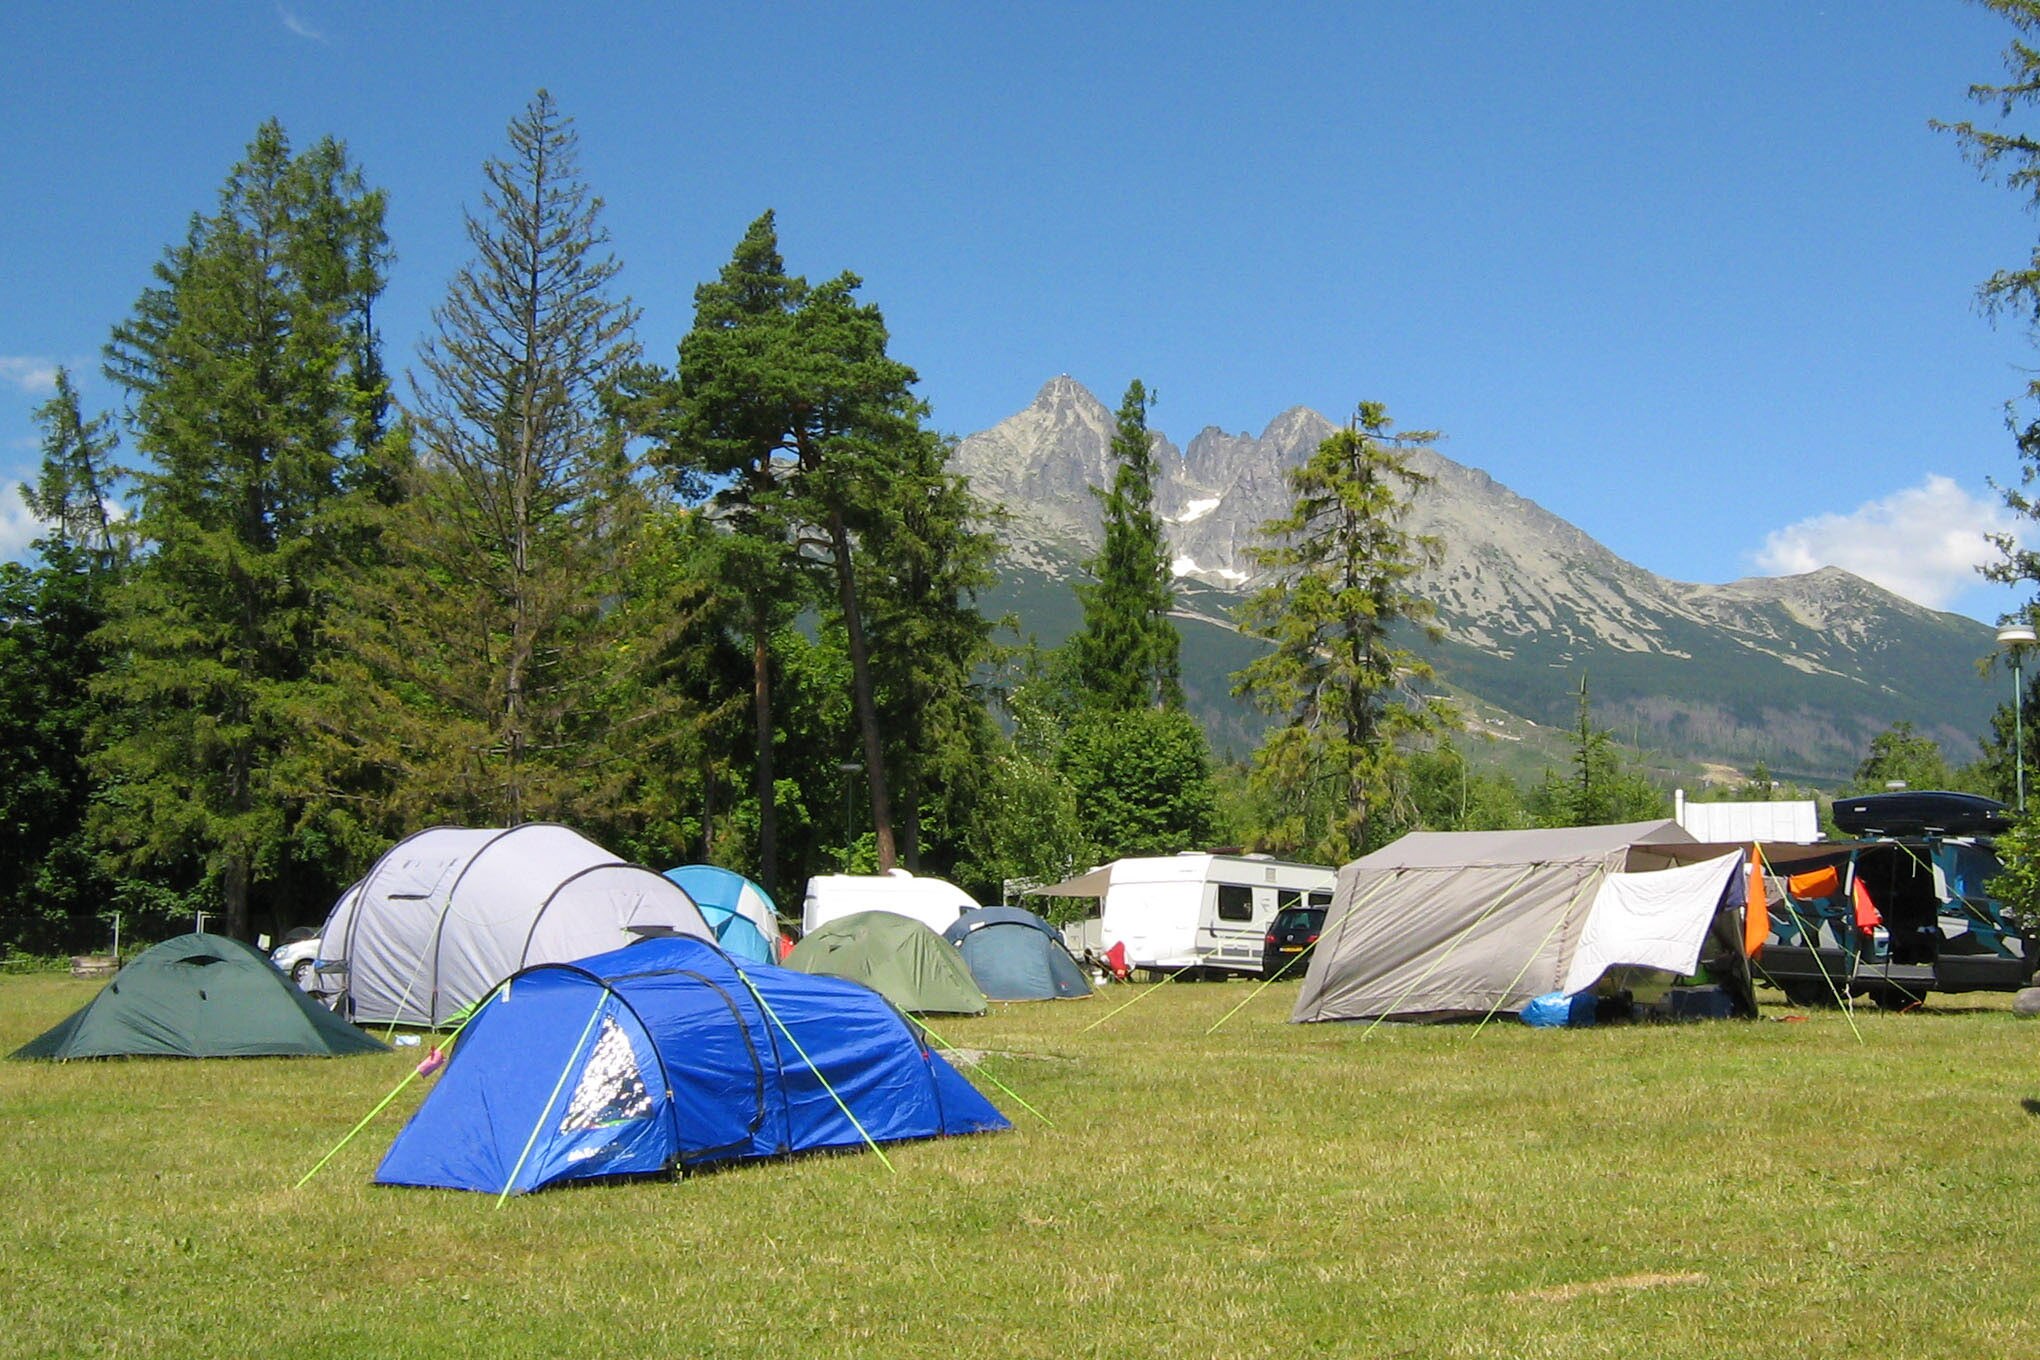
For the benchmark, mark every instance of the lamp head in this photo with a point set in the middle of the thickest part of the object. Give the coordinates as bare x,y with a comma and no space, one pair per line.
2015,635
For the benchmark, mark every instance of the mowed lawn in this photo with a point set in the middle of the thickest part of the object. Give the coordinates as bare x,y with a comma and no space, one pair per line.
1771,1189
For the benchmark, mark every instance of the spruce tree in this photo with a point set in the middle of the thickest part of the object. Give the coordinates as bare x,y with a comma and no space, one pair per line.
479,654
250,367
1126,653
1342,566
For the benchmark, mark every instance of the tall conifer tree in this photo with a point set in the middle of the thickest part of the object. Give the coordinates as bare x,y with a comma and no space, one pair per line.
1342,565
478,660
252,374
787,390
1126,653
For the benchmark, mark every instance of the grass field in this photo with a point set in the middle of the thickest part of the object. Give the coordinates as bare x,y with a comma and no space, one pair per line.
1763,1190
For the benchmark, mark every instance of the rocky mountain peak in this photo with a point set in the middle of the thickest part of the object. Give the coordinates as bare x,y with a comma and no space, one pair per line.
1525,598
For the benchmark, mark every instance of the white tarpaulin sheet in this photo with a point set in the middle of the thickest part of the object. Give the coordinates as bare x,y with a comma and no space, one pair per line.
1653,920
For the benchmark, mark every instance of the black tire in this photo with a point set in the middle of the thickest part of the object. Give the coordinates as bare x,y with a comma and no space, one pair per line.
1808,993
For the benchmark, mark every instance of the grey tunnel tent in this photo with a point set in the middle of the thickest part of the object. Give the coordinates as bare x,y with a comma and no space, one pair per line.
1447,924
447,914
200,996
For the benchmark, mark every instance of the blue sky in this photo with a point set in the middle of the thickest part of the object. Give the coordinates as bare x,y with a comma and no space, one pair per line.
1698,278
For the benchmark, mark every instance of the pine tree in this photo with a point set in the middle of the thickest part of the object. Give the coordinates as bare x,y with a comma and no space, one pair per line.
480,655
925,555
724,422
1343,566
250,367
1126,653
788,392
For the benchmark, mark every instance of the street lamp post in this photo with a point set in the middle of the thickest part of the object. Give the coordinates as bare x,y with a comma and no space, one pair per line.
2017,637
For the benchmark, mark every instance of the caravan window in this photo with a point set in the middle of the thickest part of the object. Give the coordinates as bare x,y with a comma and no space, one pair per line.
1235,903
1321,900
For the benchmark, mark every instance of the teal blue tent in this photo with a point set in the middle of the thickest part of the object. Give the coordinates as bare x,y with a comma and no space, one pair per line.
742,914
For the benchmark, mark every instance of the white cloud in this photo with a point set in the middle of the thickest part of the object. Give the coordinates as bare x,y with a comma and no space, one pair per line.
297,25
18,528
28,374
1923,543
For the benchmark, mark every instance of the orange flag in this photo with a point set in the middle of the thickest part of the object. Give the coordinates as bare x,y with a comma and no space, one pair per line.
1867,915
1756,911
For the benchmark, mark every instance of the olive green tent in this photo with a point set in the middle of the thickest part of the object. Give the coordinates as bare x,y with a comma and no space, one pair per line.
897,957
200,996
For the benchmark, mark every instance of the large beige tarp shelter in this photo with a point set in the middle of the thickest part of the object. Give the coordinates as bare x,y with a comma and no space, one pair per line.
448,913
1464,923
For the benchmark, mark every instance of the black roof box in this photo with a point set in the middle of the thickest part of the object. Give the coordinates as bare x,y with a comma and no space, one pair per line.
1909,813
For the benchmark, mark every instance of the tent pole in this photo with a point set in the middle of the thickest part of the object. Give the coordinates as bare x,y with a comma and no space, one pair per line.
1592,880
848,1114
1457,940
1281,972
979,1067
545,1114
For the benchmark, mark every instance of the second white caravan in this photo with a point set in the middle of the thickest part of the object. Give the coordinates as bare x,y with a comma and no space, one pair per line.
1196,910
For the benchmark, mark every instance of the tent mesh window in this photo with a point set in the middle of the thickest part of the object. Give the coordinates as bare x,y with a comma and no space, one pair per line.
611,1090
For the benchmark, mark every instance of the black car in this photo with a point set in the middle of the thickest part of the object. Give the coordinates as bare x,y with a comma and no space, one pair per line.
1295,930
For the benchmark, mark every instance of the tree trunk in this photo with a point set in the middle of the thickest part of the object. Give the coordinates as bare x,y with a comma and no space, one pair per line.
761,711
234,895
860,684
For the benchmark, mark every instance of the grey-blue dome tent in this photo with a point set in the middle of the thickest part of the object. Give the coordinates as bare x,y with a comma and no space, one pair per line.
669,1054
1016,956
742,914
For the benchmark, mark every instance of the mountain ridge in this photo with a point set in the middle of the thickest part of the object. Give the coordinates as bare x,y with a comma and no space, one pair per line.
1799,671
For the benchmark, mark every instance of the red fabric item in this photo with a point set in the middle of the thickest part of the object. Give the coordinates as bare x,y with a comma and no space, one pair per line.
1867,915
785,947
1115,960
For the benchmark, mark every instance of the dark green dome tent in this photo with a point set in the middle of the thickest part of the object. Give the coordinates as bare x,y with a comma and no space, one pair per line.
200,996
897,957
1016,956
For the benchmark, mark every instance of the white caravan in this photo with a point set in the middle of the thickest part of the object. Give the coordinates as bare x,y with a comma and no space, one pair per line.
934,902
1195,910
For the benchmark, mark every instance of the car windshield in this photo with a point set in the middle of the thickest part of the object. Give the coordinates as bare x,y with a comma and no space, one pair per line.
1300,918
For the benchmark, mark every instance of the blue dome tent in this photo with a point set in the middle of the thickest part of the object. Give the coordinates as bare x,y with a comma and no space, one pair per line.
669,1054
742,914
1016,956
